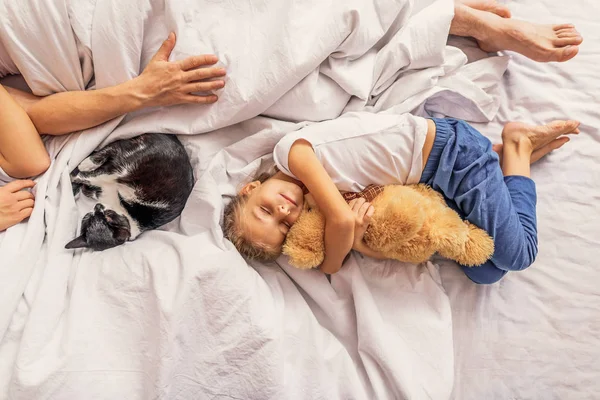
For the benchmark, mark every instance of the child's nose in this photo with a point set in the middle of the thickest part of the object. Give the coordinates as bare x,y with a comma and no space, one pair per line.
284,209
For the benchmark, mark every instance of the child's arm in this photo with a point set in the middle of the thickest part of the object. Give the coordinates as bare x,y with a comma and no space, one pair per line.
339,218
162,83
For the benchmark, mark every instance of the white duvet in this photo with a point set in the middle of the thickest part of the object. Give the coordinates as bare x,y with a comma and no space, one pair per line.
178,314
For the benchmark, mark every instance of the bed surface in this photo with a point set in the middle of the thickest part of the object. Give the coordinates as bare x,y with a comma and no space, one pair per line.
178,314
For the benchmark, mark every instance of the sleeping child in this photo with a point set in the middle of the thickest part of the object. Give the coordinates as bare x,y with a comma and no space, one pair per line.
490,186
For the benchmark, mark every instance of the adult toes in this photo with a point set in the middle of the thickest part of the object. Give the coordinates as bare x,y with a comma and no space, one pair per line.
563,26
562,54
502,11
567,41
566,30
568,33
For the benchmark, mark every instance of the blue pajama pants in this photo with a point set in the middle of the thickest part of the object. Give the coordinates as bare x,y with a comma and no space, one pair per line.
465,169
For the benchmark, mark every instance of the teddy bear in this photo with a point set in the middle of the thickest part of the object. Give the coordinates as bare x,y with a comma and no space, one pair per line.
410,223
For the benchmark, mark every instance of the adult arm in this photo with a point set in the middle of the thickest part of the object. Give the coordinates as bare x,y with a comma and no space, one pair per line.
162,83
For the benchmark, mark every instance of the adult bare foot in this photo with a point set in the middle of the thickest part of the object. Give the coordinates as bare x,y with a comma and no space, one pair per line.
487,5
543,43
540,140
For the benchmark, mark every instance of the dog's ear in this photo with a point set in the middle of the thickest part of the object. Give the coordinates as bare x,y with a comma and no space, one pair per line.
77,243
122,234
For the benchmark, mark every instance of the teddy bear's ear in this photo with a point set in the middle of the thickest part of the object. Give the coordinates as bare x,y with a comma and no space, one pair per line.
305,242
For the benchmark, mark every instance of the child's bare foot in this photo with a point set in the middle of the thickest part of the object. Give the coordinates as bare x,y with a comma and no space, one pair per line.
537,154
520,141
487,5
543,43
539,140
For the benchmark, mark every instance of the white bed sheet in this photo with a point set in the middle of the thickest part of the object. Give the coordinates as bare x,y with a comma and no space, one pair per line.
177,314
536,334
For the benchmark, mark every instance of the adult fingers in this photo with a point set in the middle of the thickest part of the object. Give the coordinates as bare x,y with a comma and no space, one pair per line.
197,61
25,213
193,99
28,203
165,49
203,86
23,195
15,186
204,73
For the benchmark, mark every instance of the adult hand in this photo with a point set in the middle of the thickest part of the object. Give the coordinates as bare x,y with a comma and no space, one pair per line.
165,83
16,204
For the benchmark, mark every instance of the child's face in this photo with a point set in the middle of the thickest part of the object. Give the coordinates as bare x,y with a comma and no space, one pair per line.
272,208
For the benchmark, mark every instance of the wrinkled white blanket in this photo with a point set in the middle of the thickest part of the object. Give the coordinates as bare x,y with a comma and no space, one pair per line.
178,313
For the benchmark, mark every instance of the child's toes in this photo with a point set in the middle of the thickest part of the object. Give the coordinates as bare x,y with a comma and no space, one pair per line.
562,127
550,147
498,150
557,143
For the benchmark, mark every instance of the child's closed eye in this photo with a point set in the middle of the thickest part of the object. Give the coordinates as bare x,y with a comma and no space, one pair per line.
266,210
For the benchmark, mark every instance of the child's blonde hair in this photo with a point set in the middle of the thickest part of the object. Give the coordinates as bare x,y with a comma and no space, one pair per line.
233,231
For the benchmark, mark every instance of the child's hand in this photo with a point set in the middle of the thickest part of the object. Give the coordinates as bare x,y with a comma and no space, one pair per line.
363,211
309,200
16,204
